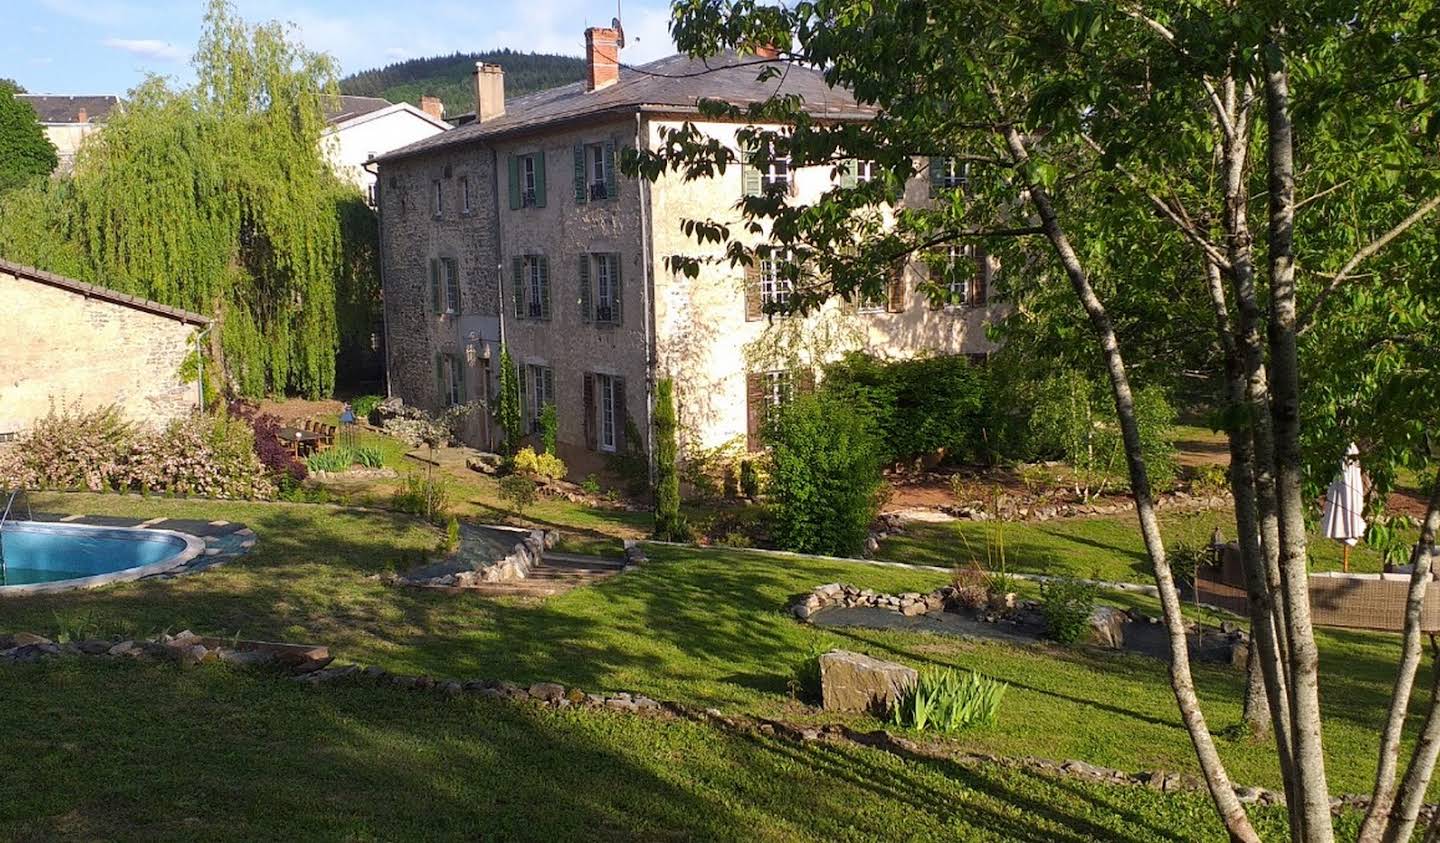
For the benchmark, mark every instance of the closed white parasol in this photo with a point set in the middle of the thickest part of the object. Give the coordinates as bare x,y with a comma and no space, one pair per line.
1343,518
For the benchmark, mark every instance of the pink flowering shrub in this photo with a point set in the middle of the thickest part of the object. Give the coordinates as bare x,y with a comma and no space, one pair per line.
205,455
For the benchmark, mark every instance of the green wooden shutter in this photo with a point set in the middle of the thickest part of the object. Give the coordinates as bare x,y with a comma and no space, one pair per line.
452,278
616,293
540,179
548,377
612,187
544,287
622,415
514,165
587,311
937,174
588,403
849,178
435,286
518,276
749,173
460,368
440,379
582,192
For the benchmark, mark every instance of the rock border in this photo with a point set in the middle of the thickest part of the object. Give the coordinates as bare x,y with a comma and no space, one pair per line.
527,553
313,665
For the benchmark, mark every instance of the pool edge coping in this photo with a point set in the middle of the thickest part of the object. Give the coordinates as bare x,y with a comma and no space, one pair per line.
194,547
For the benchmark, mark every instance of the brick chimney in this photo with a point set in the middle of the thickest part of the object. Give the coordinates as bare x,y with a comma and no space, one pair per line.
602,57
489,91
432,106
82,117
767,51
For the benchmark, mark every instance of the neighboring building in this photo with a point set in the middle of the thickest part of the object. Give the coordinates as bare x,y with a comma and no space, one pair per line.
519,227
67,344
360,128
68,120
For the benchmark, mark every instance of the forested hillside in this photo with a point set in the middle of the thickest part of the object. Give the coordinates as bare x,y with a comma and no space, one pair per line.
448,77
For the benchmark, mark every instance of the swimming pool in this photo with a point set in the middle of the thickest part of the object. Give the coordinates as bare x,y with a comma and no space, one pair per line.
46,556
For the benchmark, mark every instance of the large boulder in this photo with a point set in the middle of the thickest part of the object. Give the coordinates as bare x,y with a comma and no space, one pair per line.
1107,627
856,682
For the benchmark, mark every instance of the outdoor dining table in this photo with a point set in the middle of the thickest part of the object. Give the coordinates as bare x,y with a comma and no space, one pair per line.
298,439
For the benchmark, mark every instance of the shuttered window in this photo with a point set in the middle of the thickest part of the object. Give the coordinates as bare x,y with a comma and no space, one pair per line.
773,175
947,173
595,171
964,282
606,395
532,286
437,200
540,390
766,392
450,379
451,268
775,287
465,194
527,180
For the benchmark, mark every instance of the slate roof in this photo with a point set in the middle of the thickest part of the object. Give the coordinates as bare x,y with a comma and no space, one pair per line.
91,291
340,108
673,84
61,109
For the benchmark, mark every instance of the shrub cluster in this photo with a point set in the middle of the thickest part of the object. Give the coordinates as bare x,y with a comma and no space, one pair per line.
285,469
919,406
947,701
547,465
824,475
1067,603
424,495
206,455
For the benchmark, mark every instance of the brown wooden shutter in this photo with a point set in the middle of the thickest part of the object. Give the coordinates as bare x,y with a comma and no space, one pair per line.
979,292
895,295
589,403
753,309
805,382
754,408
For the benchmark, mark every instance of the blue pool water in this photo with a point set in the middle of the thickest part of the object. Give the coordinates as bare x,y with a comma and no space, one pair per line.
38,552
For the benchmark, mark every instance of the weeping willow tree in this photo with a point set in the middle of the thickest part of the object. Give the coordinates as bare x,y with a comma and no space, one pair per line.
218,198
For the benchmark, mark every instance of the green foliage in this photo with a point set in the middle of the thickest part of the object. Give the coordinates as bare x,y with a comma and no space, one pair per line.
749,481
919,406
824,475
1389,536
804,682
1066,603
948,701
519,491
452,535
331,459
591,485
669,523
449,77
25,153
365,405
712,472
549,426
70,448
218,198
508,403
547,465
422,494
1074,419
1210,480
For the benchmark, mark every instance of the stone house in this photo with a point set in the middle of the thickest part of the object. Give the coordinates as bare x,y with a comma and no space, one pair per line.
519,228
65,343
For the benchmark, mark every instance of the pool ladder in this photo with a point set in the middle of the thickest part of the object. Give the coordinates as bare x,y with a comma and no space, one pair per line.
5,516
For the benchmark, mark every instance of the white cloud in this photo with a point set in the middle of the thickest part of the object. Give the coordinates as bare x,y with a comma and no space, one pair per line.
150,48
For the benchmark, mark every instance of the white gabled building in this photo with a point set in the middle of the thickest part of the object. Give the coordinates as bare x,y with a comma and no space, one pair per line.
360,128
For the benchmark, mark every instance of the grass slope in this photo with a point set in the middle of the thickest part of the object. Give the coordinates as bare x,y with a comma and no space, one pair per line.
705,628
136,752
449,77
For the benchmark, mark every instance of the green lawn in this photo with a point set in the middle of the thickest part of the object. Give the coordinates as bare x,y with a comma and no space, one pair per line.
1108,548
705,628
135,752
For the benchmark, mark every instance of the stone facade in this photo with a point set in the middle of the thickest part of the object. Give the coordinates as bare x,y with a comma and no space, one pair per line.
63,344
694,330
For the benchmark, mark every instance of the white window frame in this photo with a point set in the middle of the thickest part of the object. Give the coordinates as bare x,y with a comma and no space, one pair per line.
534,308
536,393
451,269
465,195
864,170
597,171
956,174
875,305
777,175
957,288
779,389
607,423
774,289
527,180
437,203
603,267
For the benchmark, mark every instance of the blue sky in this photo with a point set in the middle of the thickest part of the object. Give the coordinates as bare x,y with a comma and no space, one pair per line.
107,46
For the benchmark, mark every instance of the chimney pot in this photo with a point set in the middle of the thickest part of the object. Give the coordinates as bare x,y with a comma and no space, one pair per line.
602,57
767,51
489,91
82,117
432,106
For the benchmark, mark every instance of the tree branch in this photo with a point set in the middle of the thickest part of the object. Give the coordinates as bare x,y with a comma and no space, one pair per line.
1363,255
1223,115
